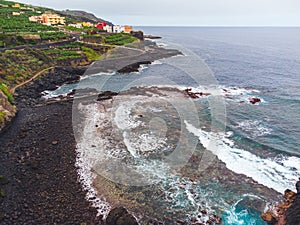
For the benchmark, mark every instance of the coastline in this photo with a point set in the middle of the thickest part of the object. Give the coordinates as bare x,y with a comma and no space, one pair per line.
38,157
38,146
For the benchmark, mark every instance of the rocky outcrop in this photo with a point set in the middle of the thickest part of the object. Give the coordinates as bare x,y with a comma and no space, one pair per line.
152,37
7,111
194,95
120,216
138,34
293,212
106,95
134,67
287,212
254,100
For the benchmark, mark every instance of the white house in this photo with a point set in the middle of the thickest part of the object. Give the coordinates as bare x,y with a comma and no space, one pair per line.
108,29
118,29
76,25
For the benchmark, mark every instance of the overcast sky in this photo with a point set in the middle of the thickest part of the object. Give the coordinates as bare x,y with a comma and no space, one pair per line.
187,12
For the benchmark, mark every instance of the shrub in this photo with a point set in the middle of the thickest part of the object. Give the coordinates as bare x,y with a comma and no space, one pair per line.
7,92
90,53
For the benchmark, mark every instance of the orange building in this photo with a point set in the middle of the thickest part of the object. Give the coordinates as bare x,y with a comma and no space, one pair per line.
127,29
53,19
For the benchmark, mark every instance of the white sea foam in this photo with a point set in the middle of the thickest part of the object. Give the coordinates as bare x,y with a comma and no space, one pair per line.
234,94
157,62
254,127
123,118
98,74
279,173
55,94
88,150
137,143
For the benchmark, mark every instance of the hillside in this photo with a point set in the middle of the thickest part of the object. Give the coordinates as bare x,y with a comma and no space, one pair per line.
10,23
28,48
82,16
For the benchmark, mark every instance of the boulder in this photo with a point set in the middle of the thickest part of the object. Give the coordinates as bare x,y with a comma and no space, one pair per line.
138,34
120,216
254,100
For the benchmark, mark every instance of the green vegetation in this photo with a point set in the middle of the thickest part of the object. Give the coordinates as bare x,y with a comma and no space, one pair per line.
74,50
68,51
6,91
52,51
17,66
90,53
65,57
119,39
67,54
53,36
2,115
20,23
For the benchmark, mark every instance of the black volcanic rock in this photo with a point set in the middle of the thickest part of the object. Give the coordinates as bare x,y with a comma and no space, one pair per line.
293,213
133,67
138,34
106,95
120,216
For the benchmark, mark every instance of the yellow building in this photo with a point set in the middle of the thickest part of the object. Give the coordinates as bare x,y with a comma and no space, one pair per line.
17,5
88,24
53,19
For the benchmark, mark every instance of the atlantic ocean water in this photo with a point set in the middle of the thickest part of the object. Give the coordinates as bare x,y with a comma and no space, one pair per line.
262,140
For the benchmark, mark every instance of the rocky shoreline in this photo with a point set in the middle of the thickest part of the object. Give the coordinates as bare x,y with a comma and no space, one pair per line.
39,181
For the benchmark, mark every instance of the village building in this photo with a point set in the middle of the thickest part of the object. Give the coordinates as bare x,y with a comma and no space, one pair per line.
76,25
118,29
108,29
127,29
88,24
16,13
101,25
53,19
48,19
17,5
37,19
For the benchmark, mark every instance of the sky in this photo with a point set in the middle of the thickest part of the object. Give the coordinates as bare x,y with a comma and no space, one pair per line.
186,12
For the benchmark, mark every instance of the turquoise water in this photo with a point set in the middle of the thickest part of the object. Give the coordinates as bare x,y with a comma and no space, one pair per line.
241,215
251,62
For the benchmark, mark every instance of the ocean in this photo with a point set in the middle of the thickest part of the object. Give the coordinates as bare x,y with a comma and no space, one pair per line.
258,141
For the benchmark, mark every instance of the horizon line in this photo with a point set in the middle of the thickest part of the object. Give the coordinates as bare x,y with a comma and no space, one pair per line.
224,26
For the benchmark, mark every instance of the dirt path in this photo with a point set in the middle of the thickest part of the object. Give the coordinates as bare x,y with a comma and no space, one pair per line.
32,78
